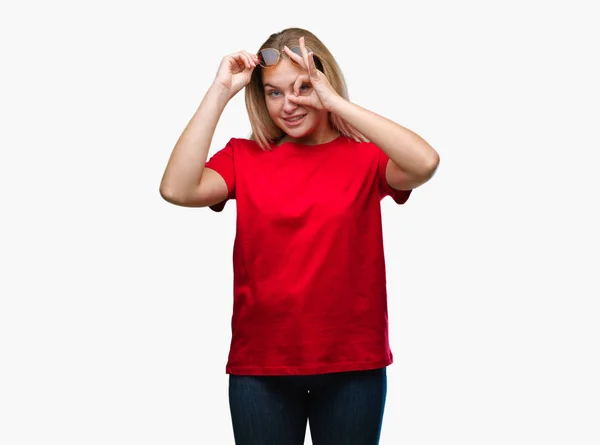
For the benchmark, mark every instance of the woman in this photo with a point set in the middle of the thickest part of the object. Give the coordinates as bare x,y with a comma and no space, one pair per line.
310,325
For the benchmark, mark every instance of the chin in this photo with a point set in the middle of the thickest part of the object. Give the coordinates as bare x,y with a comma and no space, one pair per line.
298,133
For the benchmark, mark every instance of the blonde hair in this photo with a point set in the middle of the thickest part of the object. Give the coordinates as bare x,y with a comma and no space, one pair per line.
264,130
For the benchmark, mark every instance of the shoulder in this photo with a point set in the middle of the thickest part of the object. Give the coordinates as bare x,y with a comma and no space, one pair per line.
244,145
350,142
364,148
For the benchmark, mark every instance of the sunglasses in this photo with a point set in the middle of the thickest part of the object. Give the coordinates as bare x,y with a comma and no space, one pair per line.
269,57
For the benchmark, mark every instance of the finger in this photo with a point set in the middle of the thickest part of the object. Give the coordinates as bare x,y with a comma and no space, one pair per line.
245,60
301,80
250,64
241,60
307,101
236,62
312,67
304,52
253,58
295,57
302,100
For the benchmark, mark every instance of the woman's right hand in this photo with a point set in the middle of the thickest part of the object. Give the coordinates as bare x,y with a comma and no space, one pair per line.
235,71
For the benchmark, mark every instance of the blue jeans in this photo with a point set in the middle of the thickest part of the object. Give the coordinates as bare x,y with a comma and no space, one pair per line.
344,408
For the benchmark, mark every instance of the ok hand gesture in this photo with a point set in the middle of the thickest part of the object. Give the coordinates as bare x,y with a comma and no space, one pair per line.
322,95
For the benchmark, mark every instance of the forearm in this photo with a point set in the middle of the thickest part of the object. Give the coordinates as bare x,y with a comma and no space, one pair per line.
186,163
405,148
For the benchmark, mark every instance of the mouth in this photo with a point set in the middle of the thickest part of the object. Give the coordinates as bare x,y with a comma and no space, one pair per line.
294,120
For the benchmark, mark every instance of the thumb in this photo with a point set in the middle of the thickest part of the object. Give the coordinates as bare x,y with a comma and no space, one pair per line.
302,100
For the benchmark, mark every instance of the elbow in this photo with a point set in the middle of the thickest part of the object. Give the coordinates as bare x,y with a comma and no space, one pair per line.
431,164
168,194
427,160
427,169
427,163
171,190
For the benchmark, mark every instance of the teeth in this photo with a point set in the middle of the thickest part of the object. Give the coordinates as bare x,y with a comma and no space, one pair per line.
295,119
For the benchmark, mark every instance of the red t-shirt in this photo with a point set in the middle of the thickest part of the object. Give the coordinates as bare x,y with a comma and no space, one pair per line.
309,287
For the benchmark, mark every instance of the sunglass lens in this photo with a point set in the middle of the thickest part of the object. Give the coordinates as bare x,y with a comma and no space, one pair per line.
297,50
268,57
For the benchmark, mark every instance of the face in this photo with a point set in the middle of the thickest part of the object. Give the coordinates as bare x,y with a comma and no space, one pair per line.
298,122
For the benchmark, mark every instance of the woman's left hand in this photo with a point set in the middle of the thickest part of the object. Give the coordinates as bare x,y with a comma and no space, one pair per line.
322,95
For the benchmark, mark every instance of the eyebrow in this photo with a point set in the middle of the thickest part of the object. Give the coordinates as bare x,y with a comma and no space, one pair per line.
273,86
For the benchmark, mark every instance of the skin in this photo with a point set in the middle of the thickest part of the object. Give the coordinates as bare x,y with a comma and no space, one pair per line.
186,182
412,160
283,83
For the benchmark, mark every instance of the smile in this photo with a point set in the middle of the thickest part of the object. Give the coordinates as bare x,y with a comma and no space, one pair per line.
296,120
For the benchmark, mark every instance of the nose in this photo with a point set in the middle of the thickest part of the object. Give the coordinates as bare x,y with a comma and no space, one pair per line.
289,107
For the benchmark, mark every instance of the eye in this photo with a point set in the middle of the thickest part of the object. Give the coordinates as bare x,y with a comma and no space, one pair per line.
273,93
305,87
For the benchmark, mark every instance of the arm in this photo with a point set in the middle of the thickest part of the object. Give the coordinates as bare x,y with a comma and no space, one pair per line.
185,167
185,181
412,160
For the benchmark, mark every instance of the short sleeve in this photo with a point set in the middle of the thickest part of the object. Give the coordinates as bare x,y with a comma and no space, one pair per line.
223,163
399,196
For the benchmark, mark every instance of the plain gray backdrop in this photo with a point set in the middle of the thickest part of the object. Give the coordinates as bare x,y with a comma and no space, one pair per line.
116,306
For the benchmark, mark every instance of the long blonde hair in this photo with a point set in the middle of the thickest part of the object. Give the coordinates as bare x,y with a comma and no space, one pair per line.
264,130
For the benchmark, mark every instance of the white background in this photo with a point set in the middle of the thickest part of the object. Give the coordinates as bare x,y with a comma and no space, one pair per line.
115,305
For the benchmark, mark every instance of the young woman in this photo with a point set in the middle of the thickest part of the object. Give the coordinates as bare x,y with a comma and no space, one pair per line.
310,323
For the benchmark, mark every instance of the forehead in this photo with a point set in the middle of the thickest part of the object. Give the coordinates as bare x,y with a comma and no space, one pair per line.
283,74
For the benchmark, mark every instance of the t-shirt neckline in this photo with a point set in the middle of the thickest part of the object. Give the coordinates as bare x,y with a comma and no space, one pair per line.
310,147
